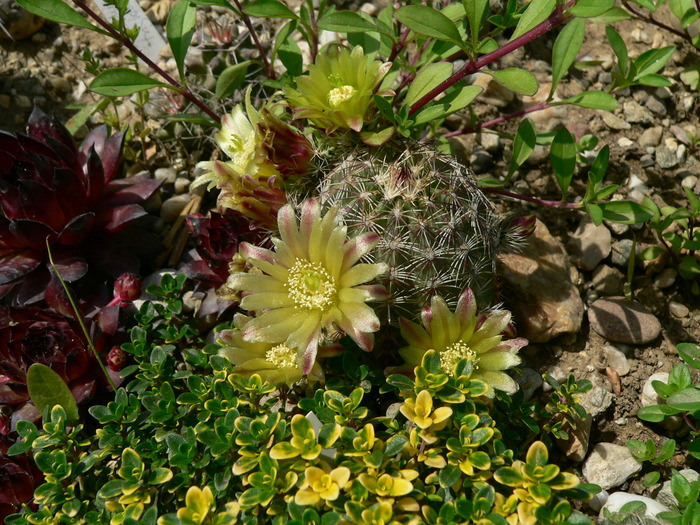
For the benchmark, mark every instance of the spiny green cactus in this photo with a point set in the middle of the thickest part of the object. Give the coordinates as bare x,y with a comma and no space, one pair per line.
439,233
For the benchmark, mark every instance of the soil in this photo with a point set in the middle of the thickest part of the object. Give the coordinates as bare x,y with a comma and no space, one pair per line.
46,70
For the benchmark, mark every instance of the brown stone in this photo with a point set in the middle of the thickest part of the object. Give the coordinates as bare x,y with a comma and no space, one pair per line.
538,288
623,321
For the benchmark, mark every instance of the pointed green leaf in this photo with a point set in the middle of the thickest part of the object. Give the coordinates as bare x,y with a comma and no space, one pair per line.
427,78
591,99
624,212
345,22
231,79
269,9
654,80
448,104
122,82
428,22
475,11
566,48
47,389
687,400
690,353
523,145
516,79
590,8
563,156
58,11
652,61
179,29
537,11
620,49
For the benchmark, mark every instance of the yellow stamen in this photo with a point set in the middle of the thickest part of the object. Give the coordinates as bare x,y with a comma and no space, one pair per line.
340,94
451,355
310,286
281,356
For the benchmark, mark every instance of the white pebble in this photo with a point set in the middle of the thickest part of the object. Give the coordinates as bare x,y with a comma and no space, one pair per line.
678,309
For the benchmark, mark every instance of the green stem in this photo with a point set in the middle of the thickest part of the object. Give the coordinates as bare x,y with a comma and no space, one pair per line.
80,319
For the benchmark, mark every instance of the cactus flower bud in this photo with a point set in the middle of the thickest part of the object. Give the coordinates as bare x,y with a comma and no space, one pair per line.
127,287
116,359
523,226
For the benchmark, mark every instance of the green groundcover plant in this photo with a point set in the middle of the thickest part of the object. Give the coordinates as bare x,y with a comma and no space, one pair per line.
188,440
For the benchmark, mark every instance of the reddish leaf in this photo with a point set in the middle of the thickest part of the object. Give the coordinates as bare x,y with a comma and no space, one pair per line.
95,178
77,229
70,266
141,189
31,234
16,265
114,219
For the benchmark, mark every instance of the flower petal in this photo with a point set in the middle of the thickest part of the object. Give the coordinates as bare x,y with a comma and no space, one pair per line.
498,360
497,380
361,316
273,326
355,248
266,300
360,274
415,335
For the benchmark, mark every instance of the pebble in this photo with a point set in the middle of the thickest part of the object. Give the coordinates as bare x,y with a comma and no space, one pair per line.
637,189
649,396
589,244
616,360
656,106
166,174
598,500
576,447
23,101
678,309
622,321
539,154
635,113
624,142
173,206
666,278
480,161
646,161
662,93
610,465
368,8
544,300
607,280
689,182
650,137
614,122
665,495
181,185
621,252
489,141
618,499
596,401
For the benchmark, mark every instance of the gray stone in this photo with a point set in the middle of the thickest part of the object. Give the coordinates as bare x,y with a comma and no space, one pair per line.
665,495
614,122
576,447
544,300
636,114
689,182
646,161
529,381
596,401
589,244
489,141
610,465
621,252
181,185
638,189
480,161
649,396
618,499
166,174
617,360
666,278
665,158
678,309
623,321
607,280
656,106
650,137
173,206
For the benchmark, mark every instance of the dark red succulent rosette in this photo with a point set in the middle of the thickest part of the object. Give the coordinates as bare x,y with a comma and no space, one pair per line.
19,476
52,189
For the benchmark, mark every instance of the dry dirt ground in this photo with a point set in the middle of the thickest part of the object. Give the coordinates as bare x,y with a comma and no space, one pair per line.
46,70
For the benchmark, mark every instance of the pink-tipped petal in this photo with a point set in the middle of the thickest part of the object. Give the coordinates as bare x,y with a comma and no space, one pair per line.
466,305
289,231
355,248
414,334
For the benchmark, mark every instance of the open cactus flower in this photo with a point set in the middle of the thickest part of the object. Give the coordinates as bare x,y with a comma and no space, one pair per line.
462,334
310,284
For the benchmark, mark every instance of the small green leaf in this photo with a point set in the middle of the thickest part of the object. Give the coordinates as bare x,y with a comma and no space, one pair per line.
652,61
123,82
58,11
654,80
428,22
566,48
687,400
345,22
231,79
475,12
590,8
688,268
690,353
523,145
516,79
377,138
427,78
591,99
651,478
537,11
563,156
47,389
394,445
269,9
449,475
620,49
453,101
624,212
179,30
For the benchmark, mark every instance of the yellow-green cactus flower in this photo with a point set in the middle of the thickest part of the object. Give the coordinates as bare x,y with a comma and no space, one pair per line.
339,89
319,485
310,283
463,335
274,363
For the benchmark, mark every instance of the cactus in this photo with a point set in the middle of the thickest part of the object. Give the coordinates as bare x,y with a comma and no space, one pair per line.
439,233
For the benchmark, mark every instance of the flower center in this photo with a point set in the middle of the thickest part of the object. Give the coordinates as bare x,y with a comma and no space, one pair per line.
281,356
451,355
340,94
310,286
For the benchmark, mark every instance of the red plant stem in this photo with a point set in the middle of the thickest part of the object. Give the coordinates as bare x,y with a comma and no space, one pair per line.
131,47
653,21
555,19
541,202
254,35
496,121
